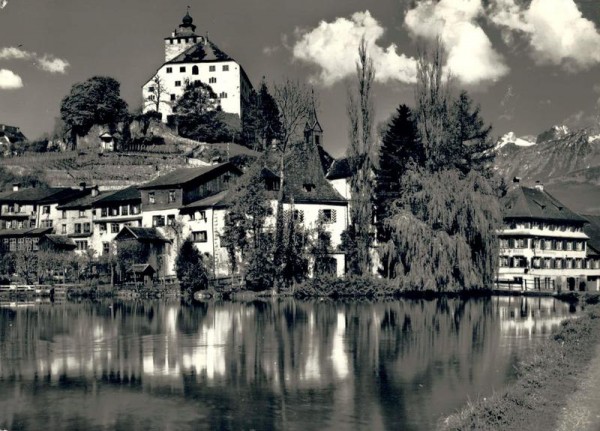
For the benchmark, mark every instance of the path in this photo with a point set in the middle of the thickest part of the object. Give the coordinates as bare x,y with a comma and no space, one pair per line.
582,410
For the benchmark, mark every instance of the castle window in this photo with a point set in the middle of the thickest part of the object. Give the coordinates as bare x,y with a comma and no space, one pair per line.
177,83
223,95
186,41
212,80
172,97
195,70
171,41
200,236
225,68
169,70
212,68
178,40
151,89
151,97
182,68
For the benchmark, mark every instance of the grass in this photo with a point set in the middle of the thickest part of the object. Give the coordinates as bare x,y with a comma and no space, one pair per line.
545,379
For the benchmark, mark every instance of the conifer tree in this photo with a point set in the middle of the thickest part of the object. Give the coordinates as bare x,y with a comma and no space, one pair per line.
190,268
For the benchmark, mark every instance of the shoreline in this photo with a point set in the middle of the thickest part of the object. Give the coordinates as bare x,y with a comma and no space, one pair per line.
546,380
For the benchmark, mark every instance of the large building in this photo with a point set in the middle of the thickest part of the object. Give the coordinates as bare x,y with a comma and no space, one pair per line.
190,57
543,244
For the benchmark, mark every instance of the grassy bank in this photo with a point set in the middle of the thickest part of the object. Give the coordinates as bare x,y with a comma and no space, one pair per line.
544,381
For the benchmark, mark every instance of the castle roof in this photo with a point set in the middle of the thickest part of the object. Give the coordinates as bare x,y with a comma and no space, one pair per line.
201,52
533,203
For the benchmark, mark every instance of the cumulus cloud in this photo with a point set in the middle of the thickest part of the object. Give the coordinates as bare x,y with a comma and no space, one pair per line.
52,64
471,57
3,3
557,31
9,80
333,47
46,62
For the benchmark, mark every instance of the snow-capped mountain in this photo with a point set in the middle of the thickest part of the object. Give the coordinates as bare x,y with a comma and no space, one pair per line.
511,138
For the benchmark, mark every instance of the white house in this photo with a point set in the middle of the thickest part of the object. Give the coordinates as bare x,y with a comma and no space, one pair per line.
191,57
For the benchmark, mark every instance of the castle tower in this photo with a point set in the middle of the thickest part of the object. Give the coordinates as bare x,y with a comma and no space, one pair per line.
182,38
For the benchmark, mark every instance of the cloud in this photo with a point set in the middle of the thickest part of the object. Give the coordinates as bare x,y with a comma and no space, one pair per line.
333,47
46,62
3,3
52,64
9,80
471,56
557,31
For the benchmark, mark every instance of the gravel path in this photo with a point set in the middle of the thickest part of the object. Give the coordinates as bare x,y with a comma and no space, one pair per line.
582,411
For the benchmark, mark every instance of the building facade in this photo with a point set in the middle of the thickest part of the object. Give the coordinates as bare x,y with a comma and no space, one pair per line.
190,57
543,244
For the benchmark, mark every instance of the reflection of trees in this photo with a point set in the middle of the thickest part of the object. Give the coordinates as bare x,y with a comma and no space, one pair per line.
270,363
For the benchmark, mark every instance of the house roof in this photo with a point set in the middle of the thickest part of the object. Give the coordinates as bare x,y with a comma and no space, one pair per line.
38,195
219,199
267,173
183,176
129,194
61,240
533,203
592,229
83,202
149,234
141,268
304,178
201,52
7,233
339,169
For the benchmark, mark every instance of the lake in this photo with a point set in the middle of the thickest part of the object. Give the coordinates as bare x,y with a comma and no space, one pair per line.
269,364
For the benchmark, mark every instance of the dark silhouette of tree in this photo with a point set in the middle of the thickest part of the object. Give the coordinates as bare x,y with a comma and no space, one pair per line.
261,125
190,268
95,101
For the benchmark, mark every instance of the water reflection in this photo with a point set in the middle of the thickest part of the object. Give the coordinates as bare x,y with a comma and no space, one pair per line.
279,364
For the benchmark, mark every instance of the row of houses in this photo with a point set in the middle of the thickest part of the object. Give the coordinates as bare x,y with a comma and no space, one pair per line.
161,213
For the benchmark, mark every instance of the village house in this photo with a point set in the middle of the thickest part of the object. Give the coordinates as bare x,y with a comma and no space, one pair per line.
111,213
35,207
77,221
190,57
543,244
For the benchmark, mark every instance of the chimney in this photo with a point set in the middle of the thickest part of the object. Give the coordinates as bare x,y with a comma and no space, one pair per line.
94,191
539,186
516,180
81,186
16,187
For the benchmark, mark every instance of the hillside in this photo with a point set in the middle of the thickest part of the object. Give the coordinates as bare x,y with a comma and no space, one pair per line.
566,162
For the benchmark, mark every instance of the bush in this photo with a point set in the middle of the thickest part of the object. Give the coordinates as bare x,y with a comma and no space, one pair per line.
190,268
350,287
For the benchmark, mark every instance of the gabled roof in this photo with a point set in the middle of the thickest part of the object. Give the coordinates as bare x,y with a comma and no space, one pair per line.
533,203
147,234
38,195
129,194
61,241
267,173
303,168
339,169
201,52
216,200
592,229
39,231
142,268
183,176
83,202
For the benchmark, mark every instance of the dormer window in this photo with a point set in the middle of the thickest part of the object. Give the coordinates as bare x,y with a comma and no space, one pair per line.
272,184
309,187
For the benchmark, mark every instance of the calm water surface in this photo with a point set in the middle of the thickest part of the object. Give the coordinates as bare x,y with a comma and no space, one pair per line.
281,364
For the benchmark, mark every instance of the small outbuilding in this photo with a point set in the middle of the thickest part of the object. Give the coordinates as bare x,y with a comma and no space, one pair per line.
143,272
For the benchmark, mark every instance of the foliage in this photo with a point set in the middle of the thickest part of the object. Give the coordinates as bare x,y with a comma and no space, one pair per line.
349,287
130,252
198,98
443,232
360,114
95,101
212,126
295,262
190,268
260,268
324,265
159,96
400,149
261,124
33,179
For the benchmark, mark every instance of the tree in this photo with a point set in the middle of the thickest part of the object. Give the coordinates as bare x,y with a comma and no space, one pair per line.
198,98
95,101
295,260
190,268
130,252
157,97
401,148
261,125
360,114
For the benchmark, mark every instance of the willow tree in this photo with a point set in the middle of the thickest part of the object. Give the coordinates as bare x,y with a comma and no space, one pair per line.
442,228
358,238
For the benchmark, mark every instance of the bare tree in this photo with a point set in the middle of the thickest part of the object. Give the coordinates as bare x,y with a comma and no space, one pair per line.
360,155
159,95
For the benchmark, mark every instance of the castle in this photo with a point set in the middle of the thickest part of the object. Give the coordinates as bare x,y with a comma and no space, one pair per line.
190,57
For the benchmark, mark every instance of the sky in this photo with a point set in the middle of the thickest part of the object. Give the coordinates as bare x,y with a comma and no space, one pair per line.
530,64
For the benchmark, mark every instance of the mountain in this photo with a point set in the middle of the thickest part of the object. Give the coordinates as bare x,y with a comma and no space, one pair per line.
567,162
